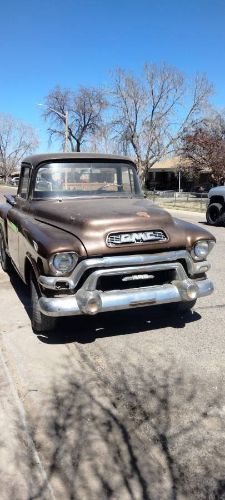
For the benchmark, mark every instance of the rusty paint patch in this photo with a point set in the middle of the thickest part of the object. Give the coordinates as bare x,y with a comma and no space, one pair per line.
143,214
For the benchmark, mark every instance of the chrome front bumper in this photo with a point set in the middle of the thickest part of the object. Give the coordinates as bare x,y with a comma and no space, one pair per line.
119,299
89,300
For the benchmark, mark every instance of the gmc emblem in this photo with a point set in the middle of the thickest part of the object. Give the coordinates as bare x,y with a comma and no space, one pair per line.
135,238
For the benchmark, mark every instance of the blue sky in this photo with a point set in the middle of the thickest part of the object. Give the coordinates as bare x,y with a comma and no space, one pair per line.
74,42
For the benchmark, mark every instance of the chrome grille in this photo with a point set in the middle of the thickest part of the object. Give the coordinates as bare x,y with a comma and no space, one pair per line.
135,237
119,282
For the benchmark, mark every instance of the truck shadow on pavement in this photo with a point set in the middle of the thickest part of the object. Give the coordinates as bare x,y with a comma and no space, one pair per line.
118,429
86,329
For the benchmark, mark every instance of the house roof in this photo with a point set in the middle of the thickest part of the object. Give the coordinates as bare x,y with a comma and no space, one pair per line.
167,165
172,164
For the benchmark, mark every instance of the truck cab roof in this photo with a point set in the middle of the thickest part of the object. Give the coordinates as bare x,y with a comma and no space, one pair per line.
35,160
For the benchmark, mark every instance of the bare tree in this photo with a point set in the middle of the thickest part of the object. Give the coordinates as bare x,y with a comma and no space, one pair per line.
151,113
85,109
17,139
203,149
102,141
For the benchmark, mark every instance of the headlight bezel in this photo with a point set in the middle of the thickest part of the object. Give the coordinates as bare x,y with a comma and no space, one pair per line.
56,271
209,244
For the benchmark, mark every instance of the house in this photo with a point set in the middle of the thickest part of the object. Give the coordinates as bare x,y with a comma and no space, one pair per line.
166,175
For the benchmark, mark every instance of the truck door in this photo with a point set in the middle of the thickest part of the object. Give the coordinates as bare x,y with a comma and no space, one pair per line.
16,214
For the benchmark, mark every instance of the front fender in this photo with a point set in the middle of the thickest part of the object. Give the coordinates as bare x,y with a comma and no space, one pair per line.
4,209
38,241
192,232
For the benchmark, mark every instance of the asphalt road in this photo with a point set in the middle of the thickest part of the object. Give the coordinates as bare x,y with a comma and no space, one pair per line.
120,406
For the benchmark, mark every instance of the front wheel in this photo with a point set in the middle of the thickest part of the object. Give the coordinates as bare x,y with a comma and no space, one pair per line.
40,323
186,306
182,307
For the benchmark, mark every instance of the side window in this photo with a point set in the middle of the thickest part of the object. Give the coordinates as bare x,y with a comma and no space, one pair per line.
24,182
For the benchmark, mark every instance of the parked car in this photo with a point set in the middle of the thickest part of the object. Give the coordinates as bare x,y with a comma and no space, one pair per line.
84,239
14,181
215,213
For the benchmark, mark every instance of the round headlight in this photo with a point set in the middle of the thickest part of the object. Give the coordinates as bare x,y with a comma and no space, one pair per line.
63,262
201,249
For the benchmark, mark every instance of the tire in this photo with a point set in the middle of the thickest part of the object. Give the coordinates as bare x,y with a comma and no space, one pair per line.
186,306
182,307
214,214
40,323
4,258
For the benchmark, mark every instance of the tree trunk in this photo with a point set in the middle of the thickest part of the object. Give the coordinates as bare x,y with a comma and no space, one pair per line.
73,149
143,170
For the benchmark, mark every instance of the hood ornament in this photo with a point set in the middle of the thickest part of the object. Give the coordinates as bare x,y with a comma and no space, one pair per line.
135,238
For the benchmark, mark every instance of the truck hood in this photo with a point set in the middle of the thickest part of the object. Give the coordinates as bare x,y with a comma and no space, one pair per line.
91,220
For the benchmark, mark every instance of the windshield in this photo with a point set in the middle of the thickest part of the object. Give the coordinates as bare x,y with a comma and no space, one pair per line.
86,179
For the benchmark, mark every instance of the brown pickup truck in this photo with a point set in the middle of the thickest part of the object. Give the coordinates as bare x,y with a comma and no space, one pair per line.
81,234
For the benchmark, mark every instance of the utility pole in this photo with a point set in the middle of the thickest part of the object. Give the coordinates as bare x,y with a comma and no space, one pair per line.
179,180
66,133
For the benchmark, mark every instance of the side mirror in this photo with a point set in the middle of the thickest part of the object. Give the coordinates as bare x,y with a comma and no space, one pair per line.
10,199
